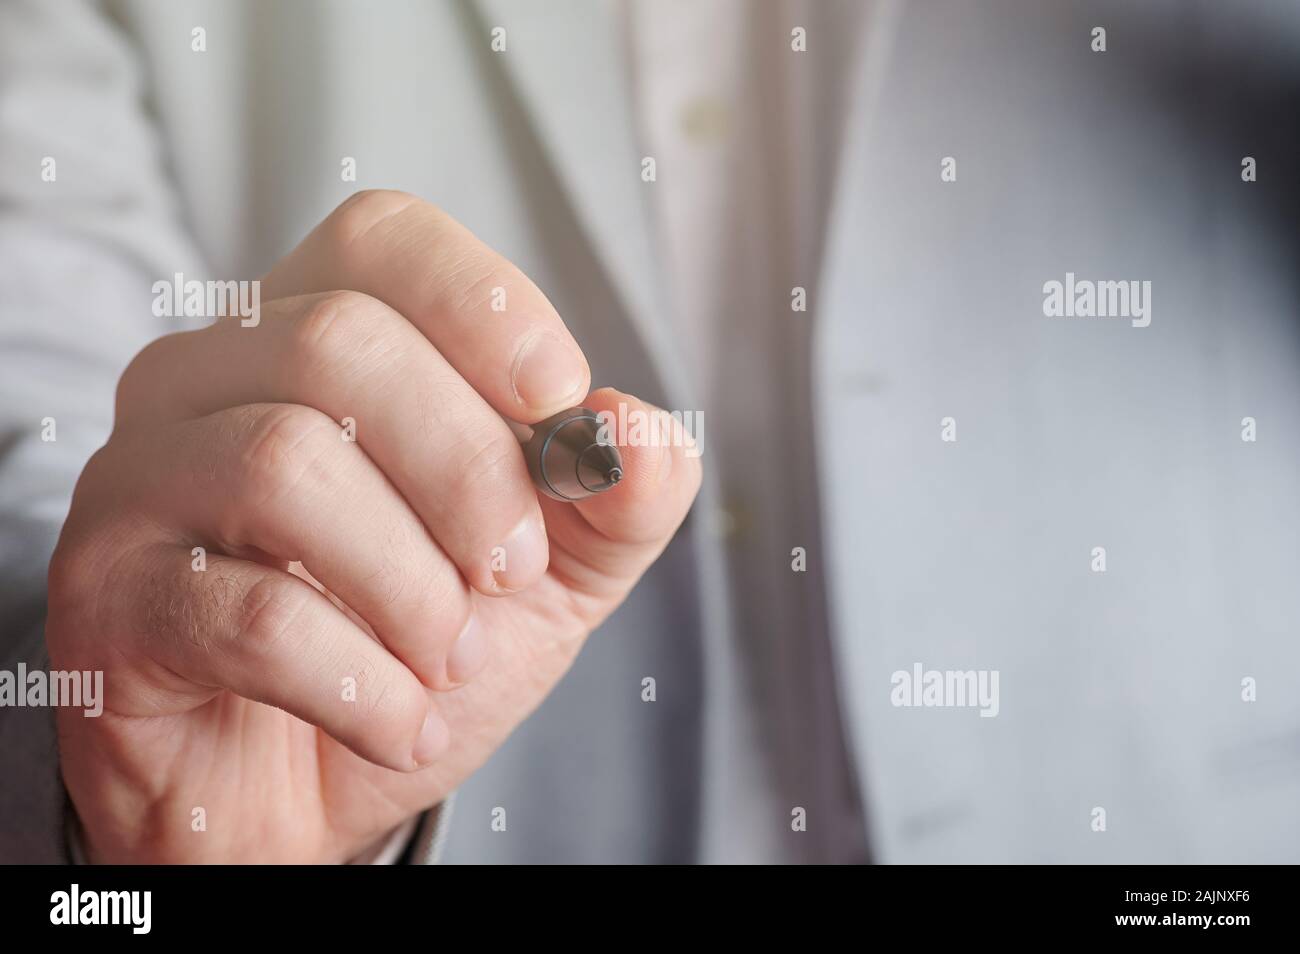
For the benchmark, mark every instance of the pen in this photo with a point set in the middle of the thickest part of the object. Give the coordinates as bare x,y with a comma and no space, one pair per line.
568,457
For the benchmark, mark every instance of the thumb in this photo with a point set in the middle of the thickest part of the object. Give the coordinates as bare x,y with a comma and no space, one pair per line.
602,545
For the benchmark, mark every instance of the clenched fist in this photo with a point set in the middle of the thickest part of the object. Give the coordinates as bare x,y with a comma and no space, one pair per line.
371,617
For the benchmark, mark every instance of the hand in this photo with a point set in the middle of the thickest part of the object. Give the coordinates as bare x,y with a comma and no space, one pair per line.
450,595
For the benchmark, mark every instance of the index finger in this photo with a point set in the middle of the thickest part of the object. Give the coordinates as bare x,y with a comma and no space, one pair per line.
480,311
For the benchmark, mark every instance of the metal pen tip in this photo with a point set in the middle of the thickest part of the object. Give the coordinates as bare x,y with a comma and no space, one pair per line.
569,457
599,467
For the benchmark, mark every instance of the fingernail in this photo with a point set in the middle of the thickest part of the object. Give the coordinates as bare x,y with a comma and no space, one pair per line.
548,373
525,555
468,653
433,740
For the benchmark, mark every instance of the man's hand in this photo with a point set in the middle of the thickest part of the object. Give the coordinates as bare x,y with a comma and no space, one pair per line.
416,563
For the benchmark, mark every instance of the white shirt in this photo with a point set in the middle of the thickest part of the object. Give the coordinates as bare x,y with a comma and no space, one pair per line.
744,130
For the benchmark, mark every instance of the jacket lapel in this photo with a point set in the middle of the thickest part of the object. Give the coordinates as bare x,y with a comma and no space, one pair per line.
564,62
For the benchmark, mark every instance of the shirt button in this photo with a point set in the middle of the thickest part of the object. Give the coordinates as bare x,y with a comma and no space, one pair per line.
705,120
731,520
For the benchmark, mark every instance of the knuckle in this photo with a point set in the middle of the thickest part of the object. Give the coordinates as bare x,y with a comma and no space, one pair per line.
442,405
413,585
333,329
280,447
267,621
136,385
392,704
68,577
439,605
492,462
179,612
102,468
405,578
473,279
361,212
78,566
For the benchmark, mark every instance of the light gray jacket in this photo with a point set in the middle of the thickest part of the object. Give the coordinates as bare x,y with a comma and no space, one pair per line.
1119,690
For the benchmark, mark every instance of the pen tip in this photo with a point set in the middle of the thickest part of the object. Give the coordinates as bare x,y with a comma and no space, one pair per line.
599,467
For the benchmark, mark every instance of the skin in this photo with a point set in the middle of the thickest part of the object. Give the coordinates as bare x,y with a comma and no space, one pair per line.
327,560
